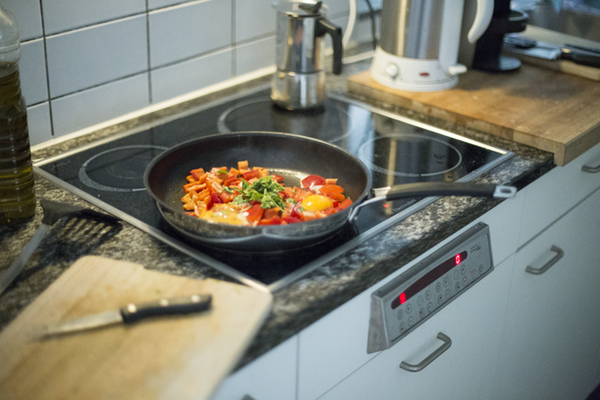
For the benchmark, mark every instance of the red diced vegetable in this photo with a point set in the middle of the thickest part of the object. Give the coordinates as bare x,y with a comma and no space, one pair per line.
313,180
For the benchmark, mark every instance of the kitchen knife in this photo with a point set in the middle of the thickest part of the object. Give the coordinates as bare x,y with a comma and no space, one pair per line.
549,51
132,313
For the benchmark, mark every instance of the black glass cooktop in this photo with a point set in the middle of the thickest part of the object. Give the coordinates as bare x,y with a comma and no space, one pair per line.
396,151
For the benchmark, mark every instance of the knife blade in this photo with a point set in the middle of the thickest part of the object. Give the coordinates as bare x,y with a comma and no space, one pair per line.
131,313
549,51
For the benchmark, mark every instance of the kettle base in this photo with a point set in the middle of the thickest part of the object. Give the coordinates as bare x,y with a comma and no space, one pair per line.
295,91
413,75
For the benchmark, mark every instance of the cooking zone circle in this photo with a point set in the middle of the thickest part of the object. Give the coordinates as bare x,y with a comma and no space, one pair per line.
331,125
409,155
119,170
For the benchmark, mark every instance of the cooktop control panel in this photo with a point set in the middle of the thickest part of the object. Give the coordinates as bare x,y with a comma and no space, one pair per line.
407,301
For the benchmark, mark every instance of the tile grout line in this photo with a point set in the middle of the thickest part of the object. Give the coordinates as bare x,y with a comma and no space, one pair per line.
47,70
149,55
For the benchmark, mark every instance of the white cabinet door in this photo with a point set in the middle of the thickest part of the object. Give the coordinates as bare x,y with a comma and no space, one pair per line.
552,333
270,377
466,370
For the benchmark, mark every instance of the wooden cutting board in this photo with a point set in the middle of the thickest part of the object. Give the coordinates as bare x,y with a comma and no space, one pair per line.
175,357
535,106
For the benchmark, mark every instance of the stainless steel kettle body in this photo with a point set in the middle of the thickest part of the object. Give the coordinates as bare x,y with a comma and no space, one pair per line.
299,81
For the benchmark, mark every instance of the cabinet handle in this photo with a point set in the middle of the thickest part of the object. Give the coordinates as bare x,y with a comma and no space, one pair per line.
546,267
591,170
429,359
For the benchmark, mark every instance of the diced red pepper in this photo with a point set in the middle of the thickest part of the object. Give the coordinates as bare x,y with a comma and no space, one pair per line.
277,178
345,204
331,189
271,221
251,174
291,220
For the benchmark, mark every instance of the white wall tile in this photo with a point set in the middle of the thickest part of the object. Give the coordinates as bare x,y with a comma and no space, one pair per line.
187,30
32,68
336,7
187,76
28,16
91,56
154,4
254,18
63,15
38,121
255,55
89,107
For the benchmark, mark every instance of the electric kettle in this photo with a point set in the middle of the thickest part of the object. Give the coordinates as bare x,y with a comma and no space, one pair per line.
419,43
299,81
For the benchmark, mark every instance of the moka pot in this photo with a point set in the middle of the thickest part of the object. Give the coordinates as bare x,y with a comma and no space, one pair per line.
299,81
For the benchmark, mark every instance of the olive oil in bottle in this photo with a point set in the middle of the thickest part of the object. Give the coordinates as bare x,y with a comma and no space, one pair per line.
17,196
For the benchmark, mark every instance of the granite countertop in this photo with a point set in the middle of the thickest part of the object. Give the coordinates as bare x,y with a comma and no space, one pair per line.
296,305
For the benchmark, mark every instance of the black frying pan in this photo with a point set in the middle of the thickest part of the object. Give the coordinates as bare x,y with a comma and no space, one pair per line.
291,156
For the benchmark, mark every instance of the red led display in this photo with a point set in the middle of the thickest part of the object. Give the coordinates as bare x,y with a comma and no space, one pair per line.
428,279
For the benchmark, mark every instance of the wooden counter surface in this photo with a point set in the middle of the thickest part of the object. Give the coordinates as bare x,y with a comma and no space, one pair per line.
545,109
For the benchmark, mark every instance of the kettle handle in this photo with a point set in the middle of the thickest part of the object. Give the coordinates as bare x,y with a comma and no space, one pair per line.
324,26
483,16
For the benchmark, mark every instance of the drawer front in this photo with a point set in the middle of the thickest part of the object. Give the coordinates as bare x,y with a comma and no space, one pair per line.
269,377
557,192
550,344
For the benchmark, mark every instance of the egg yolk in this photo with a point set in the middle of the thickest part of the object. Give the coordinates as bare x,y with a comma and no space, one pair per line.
316,202
224,214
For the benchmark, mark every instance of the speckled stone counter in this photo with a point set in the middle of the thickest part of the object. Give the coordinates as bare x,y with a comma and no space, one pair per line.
296,305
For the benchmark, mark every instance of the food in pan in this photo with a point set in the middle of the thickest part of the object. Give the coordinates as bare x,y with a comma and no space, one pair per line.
252,196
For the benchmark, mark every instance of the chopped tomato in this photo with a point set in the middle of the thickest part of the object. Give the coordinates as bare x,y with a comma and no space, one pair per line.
313,180
255,213
295,211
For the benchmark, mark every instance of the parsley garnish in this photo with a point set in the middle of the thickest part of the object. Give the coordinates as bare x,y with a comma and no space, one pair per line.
263,190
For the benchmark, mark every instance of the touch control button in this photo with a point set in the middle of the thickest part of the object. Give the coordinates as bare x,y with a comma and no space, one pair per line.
400,314
430,307
409,308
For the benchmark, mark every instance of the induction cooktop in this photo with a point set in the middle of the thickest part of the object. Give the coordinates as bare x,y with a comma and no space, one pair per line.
397,150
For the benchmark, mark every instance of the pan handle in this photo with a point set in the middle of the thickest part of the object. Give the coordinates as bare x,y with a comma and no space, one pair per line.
427,189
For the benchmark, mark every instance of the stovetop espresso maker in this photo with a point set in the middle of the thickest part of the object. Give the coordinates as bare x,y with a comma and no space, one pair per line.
299,81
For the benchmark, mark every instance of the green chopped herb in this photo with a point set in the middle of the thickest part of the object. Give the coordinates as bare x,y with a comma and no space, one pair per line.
263,190
290,200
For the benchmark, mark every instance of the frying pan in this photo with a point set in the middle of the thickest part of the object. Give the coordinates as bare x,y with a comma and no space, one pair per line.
293,157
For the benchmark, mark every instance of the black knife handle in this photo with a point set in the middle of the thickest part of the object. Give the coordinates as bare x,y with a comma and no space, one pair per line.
589,59
173,306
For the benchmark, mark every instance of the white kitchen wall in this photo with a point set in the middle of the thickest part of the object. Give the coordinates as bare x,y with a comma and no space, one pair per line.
85,62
